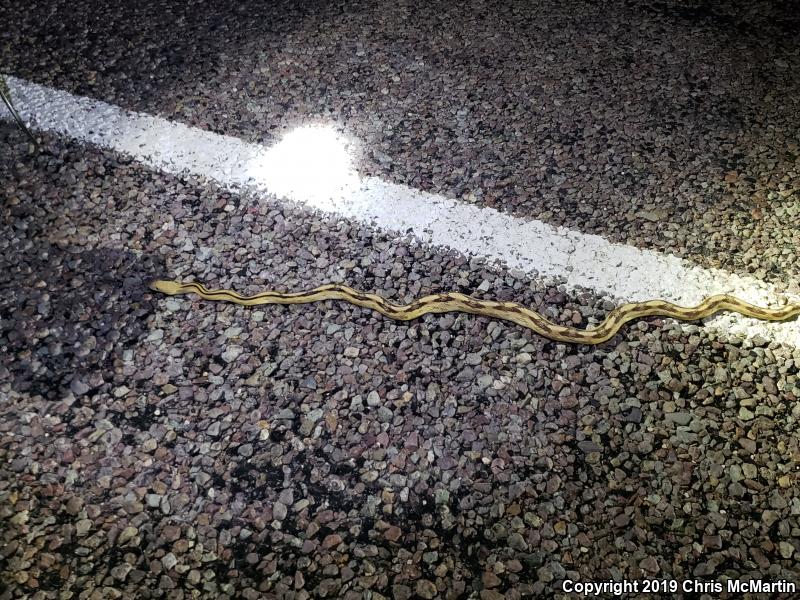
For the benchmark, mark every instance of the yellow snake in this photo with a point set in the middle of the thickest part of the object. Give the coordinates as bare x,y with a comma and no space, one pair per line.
510,311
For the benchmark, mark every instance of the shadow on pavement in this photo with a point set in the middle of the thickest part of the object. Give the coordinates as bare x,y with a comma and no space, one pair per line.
67,315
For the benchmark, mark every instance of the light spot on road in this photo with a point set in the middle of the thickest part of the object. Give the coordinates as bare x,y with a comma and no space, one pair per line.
312,162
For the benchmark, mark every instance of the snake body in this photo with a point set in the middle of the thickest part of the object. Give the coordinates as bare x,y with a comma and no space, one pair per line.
509,311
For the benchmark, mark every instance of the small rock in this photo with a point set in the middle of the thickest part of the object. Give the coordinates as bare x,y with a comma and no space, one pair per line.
426,589
126,535
745,414
169,560
120,572
401,592
786,549
490,580
231,353
545,573
517,542
679,418
245,450
279,511
171,533
74,505
82,527
649,564
79,387
588,446
393,533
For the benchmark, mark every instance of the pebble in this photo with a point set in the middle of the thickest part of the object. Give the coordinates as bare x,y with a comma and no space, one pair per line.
426,589
78,387
245,450
279,511
126,535
169,561
74,505
82,527
231,353
120,572
392,533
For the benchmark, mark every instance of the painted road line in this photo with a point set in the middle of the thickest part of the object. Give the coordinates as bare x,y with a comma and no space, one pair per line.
311,167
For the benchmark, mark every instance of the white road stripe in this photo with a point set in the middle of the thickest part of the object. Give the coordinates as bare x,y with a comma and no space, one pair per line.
310,168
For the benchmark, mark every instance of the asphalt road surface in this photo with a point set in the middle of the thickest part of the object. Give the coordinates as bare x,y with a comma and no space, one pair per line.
569,156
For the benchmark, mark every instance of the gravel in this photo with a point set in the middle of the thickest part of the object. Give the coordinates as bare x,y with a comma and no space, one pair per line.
481,458
167,447
671,126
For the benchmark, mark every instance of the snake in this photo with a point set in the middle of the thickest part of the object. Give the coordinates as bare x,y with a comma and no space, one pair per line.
509,311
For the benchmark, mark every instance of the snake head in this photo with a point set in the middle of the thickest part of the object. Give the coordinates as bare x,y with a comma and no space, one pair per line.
165,287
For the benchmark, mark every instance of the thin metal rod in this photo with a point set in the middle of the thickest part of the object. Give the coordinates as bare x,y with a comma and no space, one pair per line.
16,116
